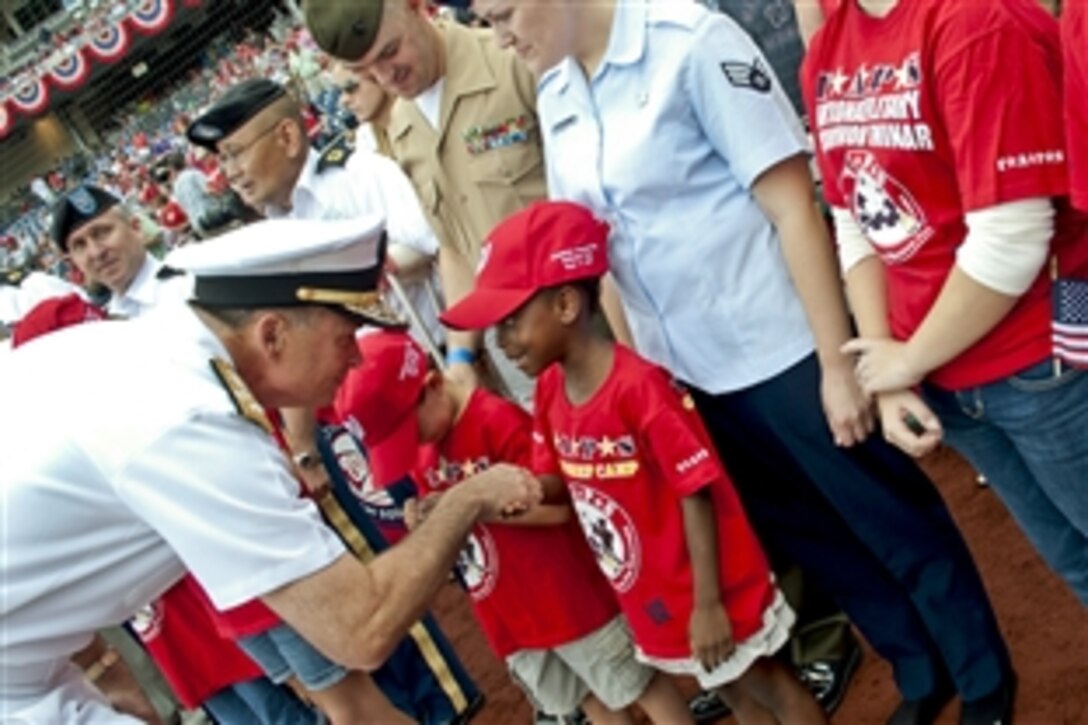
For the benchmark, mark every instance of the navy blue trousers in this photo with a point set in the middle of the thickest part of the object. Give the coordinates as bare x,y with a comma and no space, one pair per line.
868,526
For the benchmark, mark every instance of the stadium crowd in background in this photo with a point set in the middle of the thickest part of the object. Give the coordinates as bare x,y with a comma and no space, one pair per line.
958,309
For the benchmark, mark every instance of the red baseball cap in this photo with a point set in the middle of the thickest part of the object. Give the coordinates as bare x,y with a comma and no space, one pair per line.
382,395
546,244
53,314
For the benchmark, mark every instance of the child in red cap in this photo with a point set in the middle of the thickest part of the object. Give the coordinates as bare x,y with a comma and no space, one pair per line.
536,592
655,504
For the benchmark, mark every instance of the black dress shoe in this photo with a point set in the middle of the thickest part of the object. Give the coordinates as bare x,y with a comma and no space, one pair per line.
827,679
708,707
993,709
922,711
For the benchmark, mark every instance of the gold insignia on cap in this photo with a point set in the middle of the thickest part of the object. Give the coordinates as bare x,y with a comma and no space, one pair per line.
322,296
240,394
365,304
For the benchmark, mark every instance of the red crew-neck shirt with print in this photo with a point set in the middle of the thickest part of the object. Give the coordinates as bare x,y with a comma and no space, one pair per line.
1075,53
629,455
180,634
533,587
935,110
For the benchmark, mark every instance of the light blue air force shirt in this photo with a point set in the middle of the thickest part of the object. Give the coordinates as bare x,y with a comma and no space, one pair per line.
664,142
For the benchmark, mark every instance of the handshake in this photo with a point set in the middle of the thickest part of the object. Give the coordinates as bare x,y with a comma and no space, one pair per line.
501,492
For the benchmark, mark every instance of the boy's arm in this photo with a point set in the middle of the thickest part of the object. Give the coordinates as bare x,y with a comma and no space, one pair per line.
556,508
546,514
709,629
457,280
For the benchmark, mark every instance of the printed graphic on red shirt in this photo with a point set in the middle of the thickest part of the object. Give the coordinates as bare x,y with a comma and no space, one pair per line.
478,564
360,479
478,560
147,621
877,106
920,118
612,536
629,456
888,214
549,591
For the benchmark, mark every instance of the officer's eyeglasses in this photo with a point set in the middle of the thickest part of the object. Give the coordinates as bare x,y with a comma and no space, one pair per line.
234,155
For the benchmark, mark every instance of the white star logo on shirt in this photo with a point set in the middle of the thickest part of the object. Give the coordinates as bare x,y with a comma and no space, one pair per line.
838,82
903,77
606,446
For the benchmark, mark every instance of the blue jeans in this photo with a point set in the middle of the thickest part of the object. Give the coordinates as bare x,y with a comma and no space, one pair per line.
282,653
259,702
1026,434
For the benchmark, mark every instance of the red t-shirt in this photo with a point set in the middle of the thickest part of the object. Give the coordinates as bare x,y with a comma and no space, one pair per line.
1075,53
533,587
182,639
629,455
938,109
172,216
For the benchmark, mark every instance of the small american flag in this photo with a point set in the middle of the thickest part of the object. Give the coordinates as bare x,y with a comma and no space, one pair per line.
1070,331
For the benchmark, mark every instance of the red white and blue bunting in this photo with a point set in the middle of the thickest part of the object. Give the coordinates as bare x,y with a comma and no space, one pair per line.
70,72
30,95
109,42
6,121
105,42
151,16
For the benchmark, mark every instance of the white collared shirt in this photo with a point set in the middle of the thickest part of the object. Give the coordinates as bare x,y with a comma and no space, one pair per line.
147,291
369,184
117,479
665,142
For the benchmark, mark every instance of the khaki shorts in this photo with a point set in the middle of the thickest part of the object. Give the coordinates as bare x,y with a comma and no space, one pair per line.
602,663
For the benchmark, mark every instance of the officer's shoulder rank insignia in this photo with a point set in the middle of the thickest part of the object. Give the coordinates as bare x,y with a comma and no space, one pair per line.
335,155
244,401
747,75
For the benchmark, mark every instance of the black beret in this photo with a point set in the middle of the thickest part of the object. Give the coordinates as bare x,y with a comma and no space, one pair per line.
240,103
345,29
78,207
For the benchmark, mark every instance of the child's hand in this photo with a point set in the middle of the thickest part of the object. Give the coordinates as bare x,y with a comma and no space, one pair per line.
416,510
503,490
711,635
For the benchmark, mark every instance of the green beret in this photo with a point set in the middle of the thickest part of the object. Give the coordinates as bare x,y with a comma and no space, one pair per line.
240,103
345,29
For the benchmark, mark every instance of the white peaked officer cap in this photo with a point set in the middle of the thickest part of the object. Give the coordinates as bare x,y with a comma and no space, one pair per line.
291,263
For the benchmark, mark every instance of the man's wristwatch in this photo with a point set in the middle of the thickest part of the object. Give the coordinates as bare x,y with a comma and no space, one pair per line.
307,460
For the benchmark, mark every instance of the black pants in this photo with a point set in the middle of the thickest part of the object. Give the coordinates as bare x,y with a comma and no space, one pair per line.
868,526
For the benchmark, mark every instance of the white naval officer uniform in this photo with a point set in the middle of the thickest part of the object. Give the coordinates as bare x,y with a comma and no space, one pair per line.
122,474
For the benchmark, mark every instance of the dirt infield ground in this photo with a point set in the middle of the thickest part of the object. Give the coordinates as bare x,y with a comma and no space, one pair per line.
1047,629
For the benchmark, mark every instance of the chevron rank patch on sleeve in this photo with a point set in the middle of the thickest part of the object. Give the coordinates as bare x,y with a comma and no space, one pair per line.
747,75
